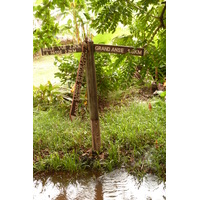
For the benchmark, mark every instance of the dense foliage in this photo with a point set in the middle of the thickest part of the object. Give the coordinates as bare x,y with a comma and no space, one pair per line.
74,11
146,21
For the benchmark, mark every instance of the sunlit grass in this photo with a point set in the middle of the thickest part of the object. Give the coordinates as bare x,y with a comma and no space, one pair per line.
135,135
131,134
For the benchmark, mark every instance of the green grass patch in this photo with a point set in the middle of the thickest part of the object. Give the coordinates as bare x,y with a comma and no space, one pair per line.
134,135
131,135
55,139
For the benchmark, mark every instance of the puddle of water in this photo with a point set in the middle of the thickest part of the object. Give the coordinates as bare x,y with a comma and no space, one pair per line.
111,186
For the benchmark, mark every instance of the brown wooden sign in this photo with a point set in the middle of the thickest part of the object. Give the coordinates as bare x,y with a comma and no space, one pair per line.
97,48
118,49
87,62
61,50
77,88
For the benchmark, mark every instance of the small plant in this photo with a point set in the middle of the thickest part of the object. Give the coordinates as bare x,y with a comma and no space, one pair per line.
47,95
67,66
163,94
107,79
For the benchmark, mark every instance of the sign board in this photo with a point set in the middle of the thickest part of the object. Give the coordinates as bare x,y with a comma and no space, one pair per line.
97,48
77,88
118,49
61,50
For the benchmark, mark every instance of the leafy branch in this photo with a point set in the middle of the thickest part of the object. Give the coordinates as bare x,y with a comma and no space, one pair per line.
142,10
162,25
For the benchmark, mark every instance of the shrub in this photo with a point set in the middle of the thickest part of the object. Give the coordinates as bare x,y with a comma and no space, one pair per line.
46,96
68,66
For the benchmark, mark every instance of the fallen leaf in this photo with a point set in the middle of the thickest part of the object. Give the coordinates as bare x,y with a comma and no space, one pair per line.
150,107
101,156
89,151
84,154
156,142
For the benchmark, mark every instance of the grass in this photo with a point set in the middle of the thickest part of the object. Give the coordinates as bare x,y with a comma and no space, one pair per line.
131,135
136,136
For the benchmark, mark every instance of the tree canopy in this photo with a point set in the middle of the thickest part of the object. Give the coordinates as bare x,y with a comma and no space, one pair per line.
145,20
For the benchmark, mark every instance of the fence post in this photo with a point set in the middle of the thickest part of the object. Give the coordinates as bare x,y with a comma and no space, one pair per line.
92,96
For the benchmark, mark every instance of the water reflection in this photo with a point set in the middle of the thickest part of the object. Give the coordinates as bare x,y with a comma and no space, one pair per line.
111,186
81,190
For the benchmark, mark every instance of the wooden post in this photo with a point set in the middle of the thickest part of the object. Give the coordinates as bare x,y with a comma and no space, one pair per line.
92,96
88,48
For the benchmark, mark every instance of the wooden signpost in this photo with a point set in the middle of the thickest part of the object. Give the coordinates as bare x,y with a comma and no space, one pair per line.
118,49
87,62
79,79
61,50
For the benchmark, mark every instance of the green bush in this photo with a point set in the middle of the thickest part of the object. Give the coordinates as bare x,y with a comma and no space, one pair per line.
67,66
104,74
46,96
